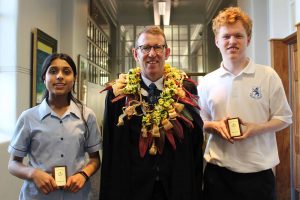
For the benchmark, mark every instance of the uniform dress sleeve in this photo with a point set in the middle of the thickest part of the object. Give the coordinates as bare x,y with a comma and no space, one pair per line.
93,141
279,107
21,138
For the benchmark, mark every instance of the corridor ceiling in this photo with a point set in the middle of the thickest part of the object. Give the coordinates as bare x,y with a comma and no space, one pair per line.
140,12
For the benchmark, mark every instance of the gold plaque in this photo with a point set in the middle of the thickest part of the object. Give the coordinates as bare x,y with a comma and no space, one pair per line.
234,127
60,175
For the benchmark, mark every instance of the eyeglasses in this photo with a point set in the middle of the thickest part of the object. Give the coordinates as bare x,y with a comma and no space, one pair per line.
158,48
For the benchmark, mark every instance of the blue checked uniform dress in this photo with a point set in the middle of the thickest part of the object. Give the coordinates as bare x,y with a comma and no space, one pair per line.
49,140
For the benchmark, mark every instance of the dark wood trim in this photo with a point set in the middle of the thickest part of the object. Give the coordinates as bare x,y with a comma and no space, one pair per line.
291,39
195,73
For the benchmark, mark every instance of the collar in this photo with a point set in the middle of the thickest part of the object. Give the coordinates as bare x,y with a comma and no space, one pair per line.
45,110
249,69
158,83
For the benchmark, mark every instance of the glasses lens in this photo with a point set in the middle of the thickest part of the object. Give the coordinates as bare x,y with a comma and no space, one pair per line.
158,48
147,48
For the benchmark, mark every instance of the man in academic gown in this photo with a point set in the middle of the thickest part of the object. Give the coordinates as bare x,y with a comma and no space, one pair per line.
151,161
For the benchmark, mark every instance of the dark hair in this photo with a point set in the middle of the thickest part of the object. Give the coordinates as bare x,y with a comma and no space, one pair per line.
47,63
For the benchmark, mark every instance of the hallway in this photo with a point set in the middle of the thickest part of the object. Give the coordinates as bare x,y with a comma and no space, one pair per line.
100,34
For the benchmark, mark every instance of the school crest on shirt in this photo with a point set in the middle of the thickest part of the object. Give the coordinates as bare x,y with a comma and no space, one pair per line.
256,92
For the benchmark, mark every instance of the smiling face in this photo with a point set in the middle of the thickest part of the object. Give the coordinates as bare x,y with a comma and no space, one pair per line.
59,78
232,41
152,63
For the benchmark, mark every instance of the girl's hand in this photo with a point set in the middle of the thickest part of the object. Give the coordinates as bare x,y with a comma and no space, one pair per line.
75,183
43,181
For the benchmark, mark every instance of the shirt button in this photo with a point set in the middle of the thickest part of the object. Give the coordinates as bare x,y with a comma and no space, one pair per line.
61,155
157,178
60,121
61,138
157,168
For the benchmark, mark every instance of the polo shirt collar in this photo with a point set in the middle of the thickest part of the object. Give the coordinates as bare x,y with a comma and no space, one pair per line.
222,71
249,69
45,110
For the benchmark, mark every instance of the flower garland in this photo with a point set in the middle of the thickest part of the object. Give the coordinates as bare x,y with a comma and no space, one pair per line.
162,120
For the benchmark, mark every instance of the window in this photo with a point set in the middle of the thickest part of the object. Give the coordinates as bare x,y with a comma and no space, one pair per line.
97,54
185,42
126,44
98,45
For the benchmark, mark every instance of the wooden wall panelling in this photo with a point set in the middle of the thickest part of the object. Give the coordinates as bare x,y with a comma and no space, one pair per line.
279,59
296,112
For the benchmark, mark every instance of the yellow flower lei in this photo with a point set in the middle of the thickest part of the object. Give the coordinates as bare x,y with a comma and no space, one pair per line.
165,105
164,110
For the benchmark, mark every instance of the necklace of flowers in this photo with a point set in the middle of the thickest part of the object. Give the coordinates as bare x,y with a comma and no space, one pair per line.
162,121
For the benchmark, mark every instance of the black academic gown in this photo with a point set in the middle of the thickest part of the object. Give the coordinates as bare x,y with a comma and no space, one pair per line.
127,176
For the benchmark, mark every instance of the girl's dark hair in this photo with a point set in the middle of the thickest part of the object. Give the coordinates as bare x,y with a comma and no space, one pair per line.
69,60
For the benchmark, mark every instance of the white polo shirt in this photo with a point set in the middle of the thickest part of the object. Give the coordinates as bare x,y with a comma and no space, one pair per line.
255,95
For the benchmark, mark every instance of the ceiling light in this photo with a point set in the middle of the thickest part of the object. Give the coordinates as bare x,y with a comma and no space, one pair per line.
161,8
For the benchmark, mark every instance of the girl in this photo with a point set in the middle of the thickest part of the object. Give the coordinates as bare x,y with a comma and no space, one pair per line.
53,134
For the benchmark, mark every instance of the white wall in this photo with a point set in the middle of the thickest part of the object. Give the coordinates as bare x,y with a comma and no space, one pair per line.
259,46
9,185
297,11
8,46
65,20
271,19
96,100
44,15
73,27
279,18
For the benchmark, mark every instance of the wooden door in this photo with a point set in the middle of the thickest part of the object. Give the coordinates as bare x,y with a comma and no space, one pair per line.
295,108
